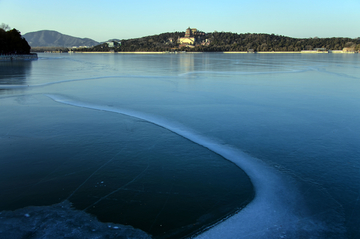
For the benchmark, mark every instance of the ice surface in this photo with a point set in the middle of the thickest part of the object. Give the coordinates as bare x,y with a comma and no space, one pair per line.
165,78
278,210
20,86
244,72
60,221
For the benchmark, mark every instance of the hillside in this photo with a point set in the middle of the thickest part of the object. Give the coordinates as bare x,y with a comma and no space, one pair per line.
227,41
48,38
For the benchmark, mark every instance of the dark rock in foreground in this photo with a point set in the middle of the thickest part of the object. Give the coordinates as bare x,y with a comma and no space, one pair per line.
60,221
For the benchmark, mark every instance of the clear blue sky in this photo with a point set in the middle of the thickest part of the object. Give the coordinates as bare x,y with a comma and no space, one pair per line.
102,20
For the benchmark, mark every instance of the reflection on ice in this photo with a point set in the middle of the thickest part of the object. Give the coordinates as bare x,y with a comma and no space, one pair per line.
278,210
11,85
14,72
243,72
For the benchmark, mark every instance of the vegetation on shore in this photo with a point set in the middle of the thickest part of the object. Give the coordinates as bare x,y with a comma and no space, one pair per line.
227,41
50,49
11,41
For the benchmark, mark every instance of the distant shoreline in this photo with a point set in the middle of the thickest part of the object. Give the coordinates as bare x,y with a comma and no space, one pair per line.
289,52
225,52
135,52
127,52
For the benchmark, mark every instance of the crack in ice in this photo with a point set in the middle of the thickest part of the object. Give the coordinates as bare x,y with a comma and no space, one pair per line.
278,208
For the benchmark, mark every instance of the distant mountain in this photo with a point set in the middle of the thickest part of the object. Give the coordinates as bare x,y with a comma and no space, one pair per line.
48,38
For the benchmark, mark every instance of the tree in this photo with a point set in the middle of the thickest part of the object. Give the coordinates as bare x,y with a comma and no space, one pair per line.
4,26
11,42
357,48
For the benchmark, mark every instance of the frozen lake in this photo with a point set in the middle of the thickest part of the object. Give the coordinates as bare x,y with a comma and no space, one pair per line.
259,145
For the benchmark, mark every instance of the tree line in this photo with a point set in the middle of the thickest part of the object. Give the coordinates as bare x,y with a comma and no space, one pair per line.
154,43
11,41
227,41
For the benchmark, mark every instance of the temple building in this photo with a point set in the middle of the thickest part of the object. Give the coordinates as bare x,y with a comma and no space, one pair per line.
192,37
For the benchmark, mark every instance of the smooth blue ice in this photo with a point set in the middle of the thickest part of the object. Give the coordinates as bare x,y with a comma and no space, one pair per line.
291,121
278,209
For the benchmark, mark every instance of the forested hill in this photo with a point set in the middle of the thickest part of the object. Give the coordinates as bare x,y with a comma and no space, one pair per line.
227,41
265,42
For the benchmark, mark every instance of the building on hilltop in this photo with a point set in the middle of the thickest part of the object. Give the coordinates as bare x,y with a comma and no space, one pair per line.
322,49
191,38
188,32
187,40
110,43
113,43
193,32
348,49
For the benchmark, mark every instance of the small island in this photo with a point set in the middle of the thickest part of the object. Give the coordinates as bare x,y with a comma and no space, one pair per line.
13,46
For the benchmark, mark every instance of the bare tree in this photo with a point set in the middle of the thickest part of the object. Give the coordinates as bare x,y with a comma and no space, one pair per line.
4,26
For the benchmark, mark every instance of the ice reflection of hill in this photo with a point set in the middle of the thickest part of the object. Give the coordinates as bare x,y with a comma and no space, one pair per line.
14,72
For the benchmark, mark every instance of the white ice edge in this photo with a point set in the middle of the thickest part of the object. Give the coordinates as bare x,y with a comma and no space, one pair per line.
277,208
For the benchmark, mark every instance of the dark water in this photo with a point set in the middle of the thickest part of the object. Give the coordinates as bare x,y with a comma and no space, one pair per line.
157,141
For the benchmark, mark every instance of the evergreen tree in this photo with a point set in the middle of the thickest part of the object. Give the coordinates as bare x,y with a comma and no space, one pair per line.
11,42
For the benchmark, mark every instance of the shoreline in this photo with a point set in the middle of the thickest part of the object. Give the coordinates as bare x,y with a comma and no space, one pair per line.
135,52
291,52
224,52
124,52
